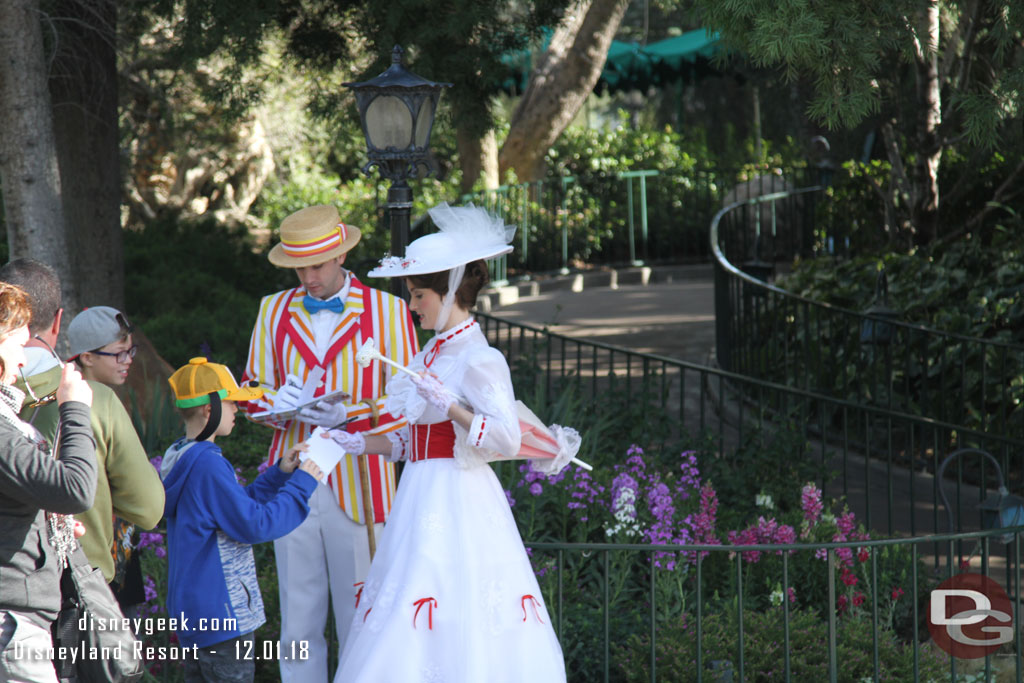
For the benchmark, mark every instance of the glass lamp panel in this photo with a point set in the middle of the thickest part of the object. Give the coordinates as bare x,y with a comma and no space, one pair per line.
389,123
424,121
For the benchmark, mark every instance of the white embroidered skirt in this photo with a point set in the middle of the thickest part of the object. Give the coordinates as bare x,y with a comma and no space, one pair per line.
451,596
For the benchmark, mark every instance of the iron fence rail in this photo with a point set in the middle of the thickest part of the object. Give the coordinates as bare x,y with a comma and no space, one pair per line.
645,576
883,459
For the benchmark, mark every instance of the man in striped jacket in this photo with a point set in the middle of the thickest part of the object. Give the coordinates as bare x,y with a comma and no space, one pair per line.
320,325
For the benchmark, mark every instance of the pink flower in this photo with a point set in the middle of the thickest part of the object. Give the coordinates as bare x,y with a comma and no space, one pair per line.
810,501
842,603
792,594
846,523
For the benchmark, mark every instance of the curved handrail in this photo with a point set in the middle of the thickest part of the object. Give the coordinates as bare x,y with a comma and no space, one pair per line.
724,262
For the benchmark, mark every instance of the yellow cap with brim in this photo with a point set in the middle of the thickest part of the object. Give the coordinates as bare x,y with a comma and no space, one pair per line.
192,384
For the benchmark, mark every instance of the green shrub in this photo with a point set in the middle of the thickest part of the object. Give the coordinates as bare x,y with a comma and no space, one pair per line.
764,654
195,287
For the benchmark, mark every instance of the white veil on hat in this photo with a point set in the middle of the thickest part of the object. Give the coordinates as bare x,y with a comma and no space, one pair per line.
467,224
465,234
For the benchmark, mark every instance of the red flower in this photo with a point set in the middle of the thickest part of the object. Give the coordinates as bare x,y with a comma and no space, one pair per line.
842,603
848,577
896,593
858,599
863,555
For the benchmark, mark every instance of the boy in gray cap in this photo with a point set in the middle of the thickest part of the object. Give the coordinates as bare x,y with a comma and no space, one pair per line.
101,344
100,341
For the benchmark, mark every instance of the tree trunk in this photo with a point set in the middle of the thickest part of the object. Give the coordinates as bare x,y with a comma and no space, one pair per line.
29,169
563,79
478,157
83,86
925,205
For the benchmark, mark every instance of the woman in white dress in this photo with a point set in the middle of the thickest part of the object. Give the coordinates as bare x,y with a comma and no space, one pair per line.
451,596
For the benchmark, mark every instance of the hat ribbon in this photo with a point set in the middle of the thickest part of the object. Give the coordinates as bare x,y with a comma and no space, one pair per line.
335,238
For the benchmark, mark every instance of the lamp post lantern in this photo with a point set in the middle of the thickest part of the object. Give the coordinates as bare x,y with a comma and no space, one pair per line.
396,110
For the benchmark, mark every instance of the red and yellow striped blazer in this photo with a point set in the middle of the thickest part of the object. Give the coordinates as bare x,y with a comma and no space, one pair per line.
282,343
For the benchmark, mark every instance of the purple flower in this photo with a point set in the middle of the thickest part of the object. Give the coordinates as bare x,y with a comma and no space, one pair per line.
156,461
149,589
160,552
509,498
263,466
150,538
536,489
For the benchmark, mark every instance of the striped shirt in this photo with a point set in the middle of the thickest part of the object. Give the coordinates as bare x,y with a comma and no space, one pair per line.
283,343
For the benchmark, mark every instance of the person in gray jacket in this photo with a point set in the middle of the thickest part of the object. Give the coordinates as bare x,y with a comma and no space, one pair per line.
39,493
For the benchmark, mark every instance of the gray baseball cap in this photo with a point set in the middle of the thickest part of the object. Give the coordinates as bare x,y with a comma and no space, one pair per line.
96,327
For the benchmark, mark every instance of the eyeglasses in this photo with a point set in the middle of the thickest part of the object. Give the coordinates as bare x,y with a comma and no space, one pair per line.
120,356
47,398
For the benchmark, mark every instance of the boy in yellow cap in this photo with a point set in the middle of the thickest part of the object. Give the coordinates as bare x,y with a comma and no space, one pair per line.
212,522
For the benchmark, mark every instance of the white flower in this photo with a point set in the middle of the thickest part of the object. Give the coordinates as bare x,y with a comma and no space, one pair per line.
764,500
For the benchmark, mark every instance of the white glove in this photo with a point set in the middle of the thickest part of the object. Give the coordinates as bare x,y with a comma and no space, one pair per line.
353,443
431,389
324,414
264,407
287,396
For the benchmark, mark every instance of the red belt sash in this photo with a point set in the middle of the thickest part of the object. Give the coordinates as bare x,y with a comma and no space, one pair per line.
433,441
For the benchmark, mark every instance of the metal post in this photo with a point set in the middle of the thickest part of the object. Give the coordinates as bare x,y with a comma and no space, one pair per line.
643,212
399,210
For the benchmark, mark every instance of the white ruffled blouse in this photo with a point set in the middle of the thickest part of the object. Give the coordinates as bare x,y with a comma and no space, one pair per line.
478,376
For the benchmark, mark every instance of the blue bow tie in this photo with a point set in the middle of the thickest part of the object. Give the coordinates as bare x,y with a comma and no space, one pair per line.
313,305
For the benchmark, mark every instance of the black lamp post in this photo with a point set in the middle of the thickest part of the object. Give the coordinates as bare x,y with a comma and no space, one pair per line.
1001,510
396,110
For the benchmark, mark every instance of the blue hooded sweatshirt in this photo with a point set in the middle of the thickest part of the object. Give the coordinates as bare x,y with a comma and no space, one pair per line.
212,522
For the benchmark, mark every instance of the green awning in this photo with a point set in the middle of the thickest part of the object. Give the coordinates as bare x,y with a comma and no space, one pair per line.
633,66
630,66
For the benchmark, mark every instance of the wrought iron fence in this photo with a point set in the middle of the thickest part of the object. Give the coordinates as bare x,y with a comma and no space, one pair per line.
709,618
865,356
630,217
880,460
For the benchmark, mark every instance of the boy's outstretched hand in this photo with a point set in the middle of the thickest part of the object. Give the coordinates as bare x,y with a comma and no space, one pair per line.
311,468
291,458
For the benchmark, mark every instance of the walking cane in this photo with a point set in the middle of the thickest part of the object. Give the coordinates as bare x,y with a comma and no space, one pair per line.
364,482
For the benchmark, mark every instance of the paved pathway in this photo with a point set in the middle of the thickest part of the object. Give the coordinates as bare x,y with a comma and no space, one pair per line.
674,319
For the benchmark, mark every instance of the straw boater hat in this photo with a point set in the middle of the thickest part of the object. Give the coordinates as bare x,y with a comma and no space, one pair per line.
312,236
467,234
